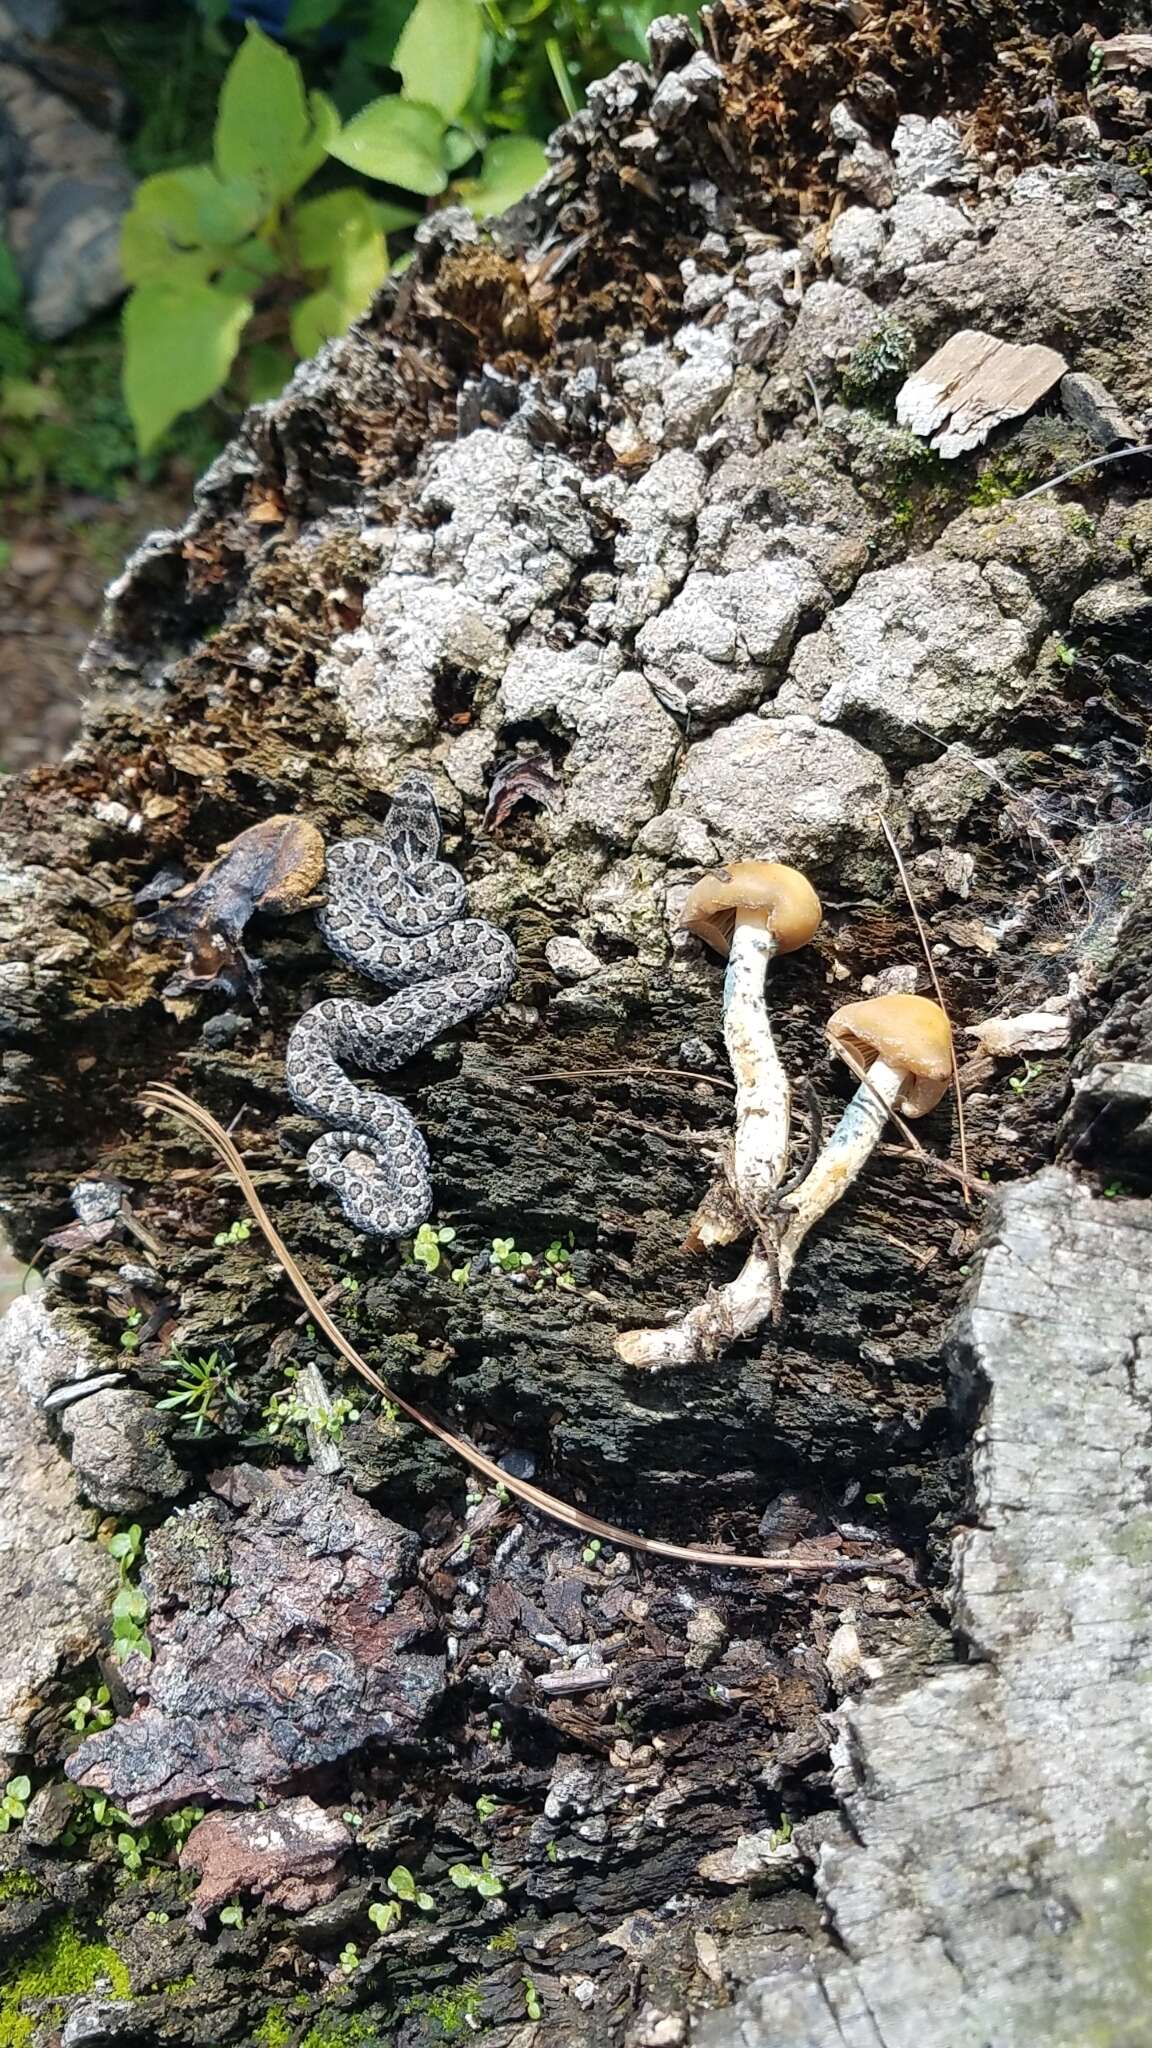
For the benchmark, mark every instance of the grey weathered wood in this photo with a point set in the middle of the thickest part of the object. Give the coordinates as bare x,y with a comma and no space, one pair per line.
990,1885
974,383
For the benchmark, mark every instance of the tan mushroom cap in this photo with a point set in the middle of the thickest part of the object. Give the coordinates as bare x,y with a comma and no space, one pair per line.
758,891
904,1031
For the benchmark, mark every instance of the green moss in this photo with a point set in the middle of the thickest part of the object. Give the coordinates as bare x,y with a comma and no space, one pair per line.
60,1968
455,2009
505,1943
18,1884
878,365
342,2033
275,2029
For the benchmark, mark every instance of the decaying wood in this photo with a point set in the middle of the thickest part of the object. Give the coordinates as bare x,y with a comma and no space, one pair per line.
988,1884
972,384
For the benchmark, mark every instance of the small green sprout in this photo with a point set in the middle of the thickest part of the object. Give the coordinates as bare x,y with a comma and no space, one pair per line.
1019,1082
203,1389
130,1852
483,1881
349,1958
461,1275
232,1915
237,1233
532,2005
91,1712
124,1546
591,1550
427,1242
506,1256
875,1500
486,1807
403,1885
1065,655
130,1334
130,1605
496,1731
385,1914
14,1803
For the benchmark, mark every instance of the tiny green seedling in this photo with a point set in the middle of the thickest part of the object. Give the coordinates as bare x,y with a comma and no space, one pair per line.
483,1881
91,1712
232,1915
130,1605
506,1257
385,1914
591,1550
14,1803
461,1275
237,1233
426,1245
403,1885
130,1334
349,1958
532,2005
130,1852
875,1500
1020,1082
1065,655
486,1807
203,1389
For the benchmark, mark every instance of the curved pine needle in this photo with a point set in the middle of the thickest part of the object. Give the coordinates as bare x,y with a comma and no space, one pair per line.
193,1117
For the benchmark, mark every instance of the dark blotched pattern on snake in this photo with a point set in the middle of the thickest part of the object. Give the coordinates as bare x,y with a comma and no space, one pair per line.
394,912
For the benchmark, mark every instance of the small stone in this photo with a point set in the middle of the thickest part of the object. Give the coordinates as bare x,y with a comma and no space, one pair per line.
95,1201
930,156
926,650
119,1451
1086,401
224,1029
571,960
99,2022
678,94
788,788
855,245
922,228
289,1854
618,766
724,638
752,1857
834,319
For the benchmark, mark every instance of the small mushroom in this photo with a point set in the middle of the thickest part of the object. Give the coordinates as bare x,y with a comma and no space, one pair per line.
748,912
905,1045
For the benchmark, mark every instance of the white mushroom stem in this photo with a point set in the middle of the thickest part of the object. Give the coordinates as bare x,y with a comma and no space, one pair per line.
841,1160
738,1310
763,1093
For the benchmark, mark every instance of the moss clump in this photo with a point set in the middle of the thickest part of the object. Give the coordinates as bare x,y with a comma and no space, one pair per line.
455,2009
505,1943
342,2033
18,1884
275,2029
60,1968
878,365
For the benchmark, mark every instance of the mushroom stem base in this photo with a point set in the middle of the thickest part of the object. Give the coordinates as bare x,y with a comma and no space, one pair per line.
738,1310
763,1093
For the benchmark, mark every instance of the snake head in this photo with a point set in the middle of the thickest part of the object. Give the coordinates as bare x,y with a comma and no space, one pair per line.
413,823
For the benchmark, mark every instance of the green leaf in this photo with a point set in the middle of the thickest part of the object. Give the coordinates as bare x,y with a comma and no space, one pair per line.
459,148
512,165
179,345
267,369
11,291
306,15
19,1788
397,142
267,128
438,54
402,1883
183,223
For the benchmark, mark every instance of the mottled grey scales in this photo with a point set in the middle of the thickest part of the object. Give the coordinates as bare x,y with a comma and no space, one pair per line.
394,912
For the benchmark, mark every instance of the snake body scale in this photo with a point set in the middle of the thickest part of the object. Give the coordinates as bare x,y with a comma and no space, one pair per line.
395,913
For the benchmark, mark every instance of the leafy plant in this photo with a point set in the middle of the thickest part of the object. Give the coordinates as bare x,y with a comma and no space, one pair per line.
203,1389
287,1411
237,1233
349,1957
14,1802
232,1915
532,2005
226,252
130,1605
427,1242
91,1712
385,1914
1019,1083
403,1886
507,1258
130,1334
483,1881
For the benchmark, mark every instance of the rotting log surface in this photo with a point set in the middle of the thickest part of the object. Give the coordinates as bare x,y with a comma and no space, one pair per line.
581,1110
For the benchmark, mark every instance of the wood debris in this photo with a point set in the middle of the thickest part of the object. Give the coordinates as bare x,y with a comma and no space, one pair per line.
972,384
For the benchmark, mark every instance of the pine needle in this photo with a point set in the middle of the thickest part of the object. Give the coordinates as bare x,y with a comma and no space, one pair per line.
961,1128
192,1117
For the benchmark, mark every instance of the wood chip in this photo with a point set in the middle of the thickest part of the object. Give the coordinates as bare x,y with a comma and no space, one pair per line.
972,384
